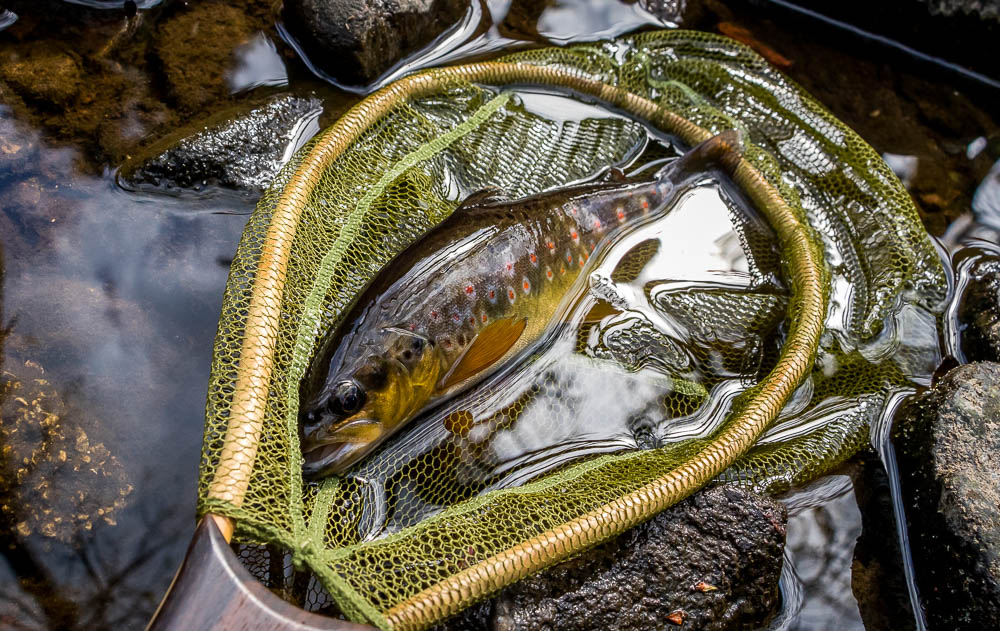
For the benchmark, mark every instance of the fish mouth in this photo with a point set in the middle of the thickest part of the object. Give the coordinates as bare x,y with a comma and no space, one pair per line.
331,459
332,453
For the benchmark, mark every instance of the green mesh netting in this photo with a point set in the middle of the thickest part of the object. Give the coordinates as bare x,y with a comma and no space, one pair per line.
410,517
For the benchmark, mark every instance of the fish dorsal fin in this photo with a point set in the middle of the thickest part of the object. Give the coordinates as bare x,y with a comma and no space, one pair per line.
490,345
635,260
482,197
599,311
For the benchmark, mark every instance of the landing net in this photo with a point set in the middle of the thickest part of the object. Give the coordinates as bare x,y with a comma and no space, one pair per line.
400,162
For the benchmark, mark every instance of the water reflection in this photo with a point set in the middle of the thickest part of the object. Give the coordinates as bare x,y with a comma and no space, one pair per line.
7,17
824,524
109,308
257,64
591,20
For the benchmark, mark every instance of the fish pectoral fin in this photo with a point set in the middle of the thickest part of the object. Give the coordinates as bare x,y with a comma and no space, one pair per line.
599,311
482,197
490,345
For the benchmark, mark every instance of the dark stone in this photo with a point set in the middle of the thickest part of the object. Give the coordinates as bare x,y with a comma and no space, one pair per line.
878,580
242,152
948,445
355,42
980,311
724,537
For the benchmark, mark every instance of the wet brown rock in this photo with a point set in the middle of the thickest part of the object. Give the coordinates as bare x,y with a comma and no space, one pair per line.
948,445
710,562
196,49
355,42
43,72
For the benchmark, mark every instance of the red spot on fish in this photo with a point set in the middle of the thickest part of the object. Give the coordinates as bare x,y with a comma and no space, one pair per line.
597,223
569,257
469,289
562,270
552,245
534,259
621,214
510,295
484,317
434,314
456,318
573,210
413,327
580,260
526,285
493,294
472,319
592,246
574,235
548,274
644,203
510,266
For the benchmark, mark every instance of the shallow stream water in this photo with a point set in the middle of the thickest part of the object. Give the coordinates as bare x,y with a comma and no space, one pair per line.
110,297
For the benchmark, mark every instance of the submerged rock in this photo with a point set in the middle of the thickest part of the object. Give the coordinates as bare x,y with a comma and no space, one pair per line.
949,454
196,47
43,73
711,562
355,42
980,311
243,152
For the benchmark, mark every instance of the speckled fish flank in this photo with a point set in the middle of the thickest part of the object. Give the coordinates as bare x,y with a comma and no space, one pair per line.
472,293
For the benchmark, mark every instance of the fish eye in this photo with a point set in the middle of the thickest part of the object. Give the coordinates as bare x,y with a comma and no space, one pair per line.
347,398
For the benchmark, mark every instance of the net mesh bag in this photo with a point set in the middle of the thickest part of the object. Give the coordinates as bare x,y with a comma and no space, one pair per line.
790,381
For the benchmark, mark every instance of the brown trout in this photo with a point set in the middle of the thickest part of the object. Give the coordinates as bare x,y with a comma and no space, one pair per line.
465,298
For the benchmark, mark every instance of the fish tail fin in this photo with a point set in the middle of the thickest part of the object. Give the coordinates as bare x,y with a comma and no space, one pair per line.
722,151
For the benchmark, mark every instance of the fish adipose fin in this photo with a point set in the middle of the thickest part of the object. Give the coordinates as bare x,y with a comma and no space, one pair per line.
490,345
